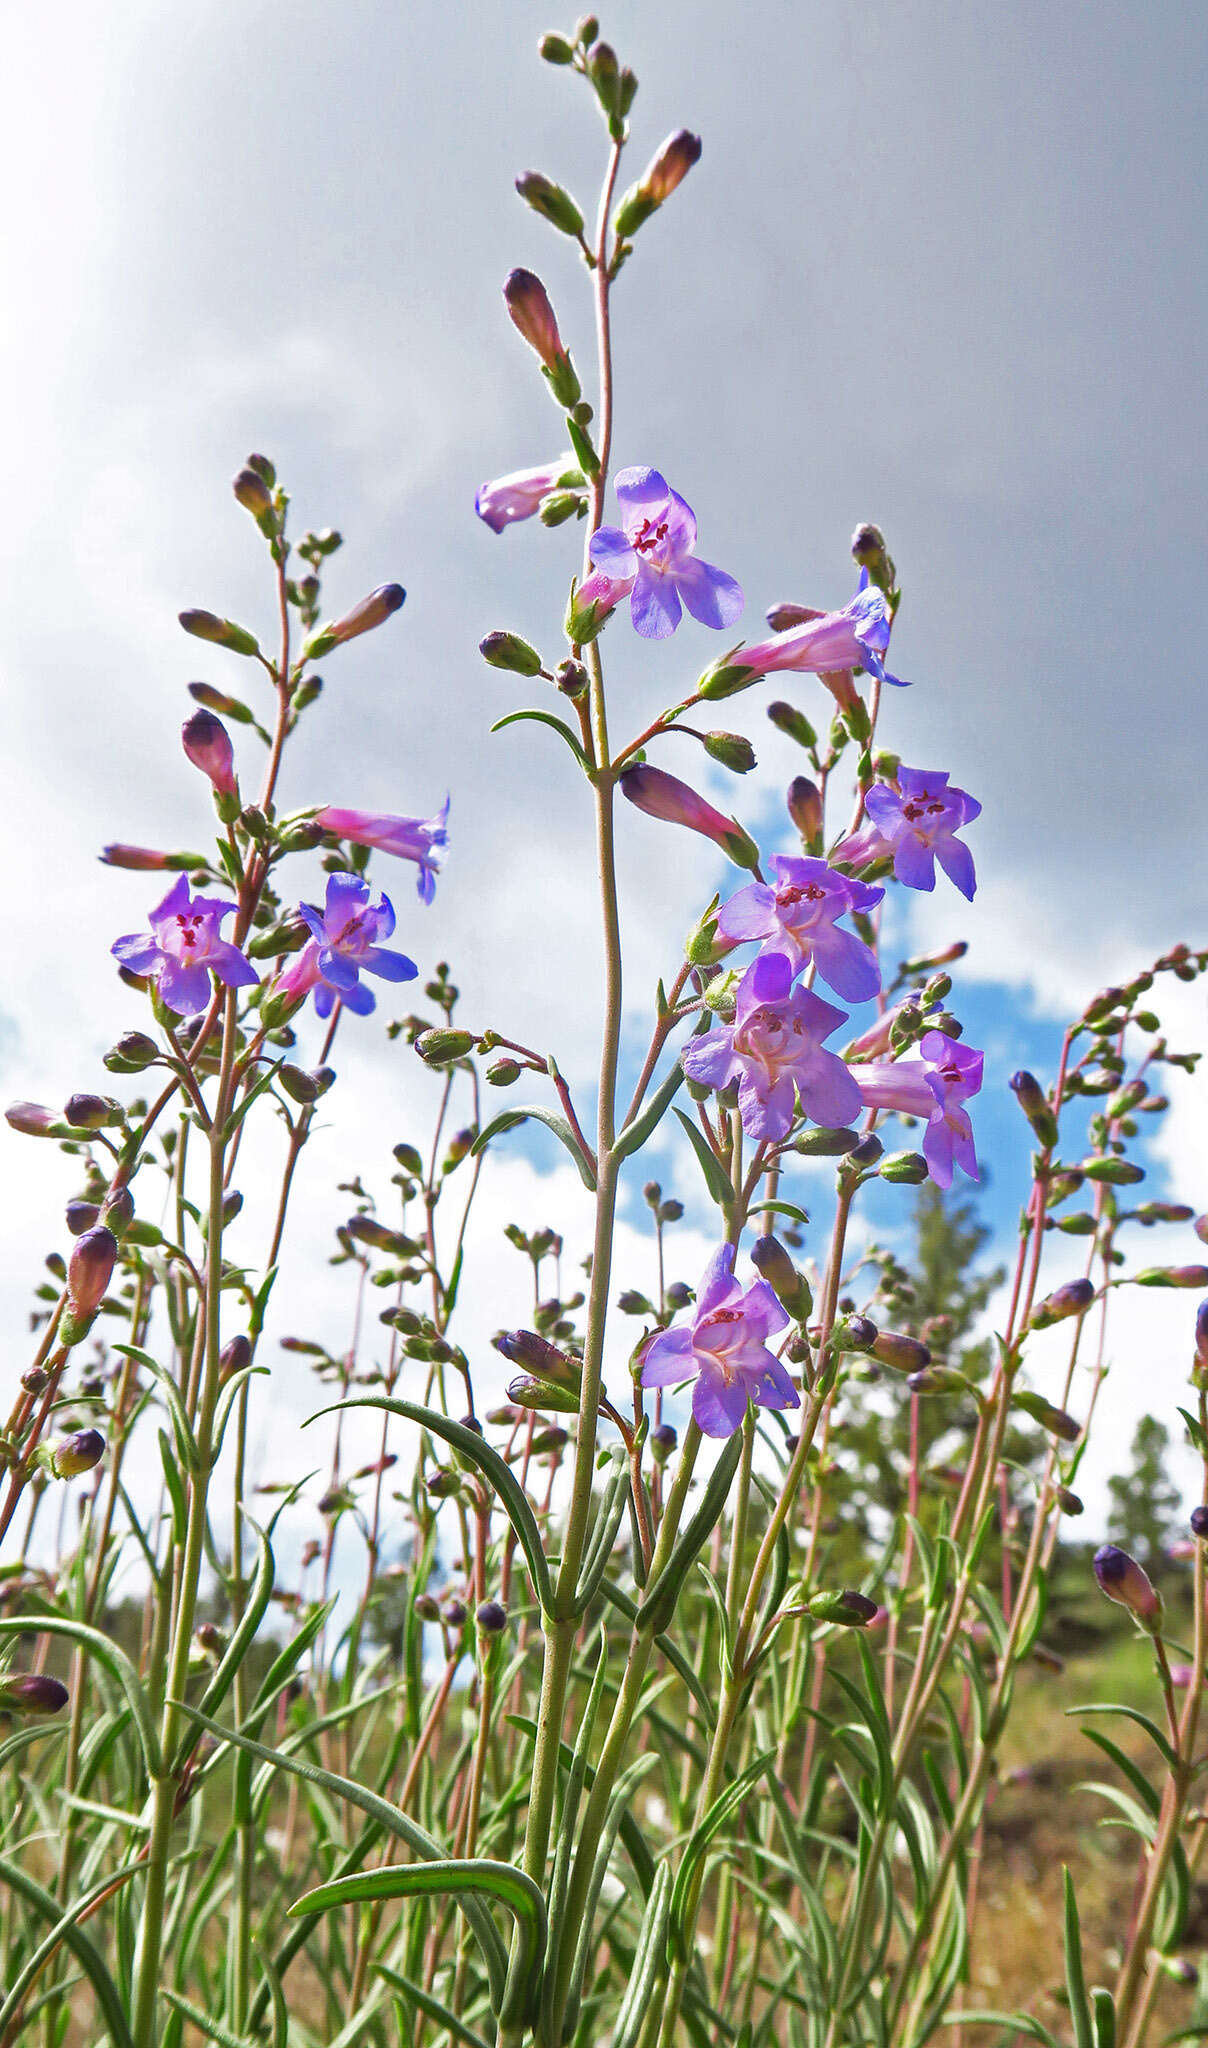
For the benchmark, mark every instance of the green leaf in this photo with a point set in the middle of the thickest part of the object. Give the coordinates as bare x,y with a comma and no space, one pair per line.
426,2003
658,1605
508,1118
634,1136
1080,2011
86,1954
1132,1714
559,725
485,1460
257,1089
186,1442
227,1400
716,1178
452,1876
649,1969
116,1663
698,1842
1019,2022
244,1635
213,2029
1105,2017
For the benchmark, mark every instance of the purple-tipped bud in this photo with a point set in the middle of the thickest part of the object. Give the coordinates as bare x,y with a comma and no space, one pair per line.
902,1353
371,612
492,1617
426,1607
118,1211
532,315
72,1455
869,550
551,201
664,796
509,651
220,632
454,1615
81,1216
848,1609
236,1353
671,164
804,802
860,1334
207,745
1073,1299
1034,1103
32,1119
90,1270
1123,1580
147,859
90,1112
663,1441
1199,1522
32,1692
254,495
791,1288
1069,1503
35,1379
536,1355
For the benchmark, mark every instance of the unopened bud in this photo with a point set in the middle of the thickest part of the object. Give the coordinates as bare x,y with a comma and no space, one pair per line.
440,1048
1123,1580
1117,1173
804,802
89,1270
502,1072
71,1455
732,750
725,679
572,679
1073,1299
902,1353
791,1288
1069,1503
133,1052
508,650
663,1441
81,1216
822,1144
848,1609
1172,1276
869,549
556,50
207,744
221,632
534,1393
492,1617
254,495
32,1692
537,1355
235,1355
551,201
1056,1421
788,720
905,1169
532,316
1032,1100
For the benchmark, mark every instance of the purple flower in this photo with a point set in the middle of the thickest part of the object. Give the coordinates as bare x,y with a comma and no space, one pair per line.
654,545
518,495
918,821
207,743
183,948
343,945
726,1349
797,917
936,1087
774,1051
419,839
828,642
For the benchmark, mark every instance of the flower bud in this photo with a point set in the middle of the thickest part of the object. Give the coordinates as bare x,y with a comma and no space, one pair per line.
1172,1276
426,1607
904,1169
365,617
536,1355
664,796
1064,1427
793,723
867,1152
1032,1100
663,1442
91,1112
1123,1580
551,201
502,1072
532,315
556,50
147,859
791,1288
117,1211
221,632
1199,1522
133,1052
902,1353
492,1618
857,1333
440,1048
1069,1503
207,744
81,1216
90,1270
1116,1173
848,1609
32,1692
236,1353
533,1394
33,1120
508,650
804,803
869,550
572,679
1073,1299
732,750
668,169
254,495
72,1455
725,679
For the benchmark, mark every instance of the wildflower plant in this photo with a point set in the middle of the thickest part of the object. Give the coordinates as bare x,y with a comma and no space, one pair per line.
600,1744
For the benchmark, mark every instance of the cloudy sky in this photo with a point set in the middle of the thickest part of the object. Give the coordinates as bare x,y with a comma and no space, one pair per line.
939,266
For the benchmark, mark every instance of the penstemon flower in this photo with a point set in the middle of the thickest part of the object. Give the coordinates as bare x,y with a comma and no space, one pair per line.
518,495
422,840
726,1349
774,1051
343,946
856,637
797,916
653,552
918,821
183,948
936,1087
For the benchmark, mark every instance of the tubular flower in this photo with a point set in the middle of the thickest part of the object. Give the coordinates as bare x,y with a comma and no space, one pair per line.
183,948
343,946
774,1051
797,916
422,840
518,495
654,546
828,642
725,1349
664,796
917,821
936,1087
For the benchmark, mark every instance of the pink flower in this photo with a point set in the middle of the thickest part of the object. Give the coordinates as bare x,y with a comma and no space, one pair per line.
518,495
936,1087
422,840
774,1051
725,1349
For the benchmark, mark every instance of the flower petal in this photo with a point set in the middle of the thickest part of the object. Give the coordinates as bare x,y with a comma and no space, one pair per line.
390,966
719,1407
717,1282
667,1359
610,551
712,597
654,606
957,862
